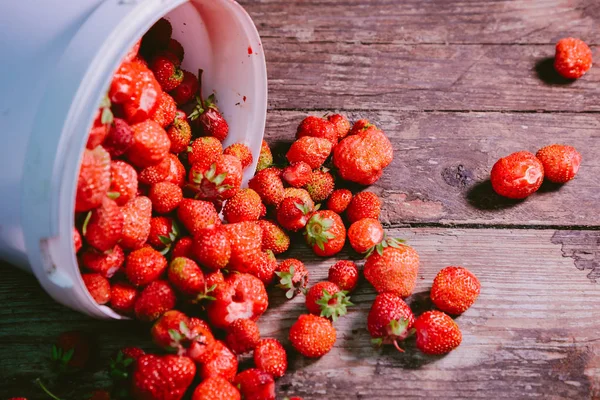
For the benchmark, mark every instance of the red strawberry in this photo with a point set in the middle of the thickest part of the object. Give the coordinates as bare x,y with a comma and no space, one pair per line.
218,181
214,278
76,240
156,299
123,298
341,123
325,233
133,52
270,357
265,158
163,233
312,336
183,248
242,152
222,362
517,175
390,320
101,126
320,185
180,133
273,237
302,194
206,117
104,227
364,234
318,127
293,214
151,144
360,126
216,388
344,274
363,205
297,174
165,67
436,333
573,58
293,276
123,182
176,171
245,205
454,290
136,228
326,299
393,268
123,86
211,248
339,200
94,179
255,384
123,363
186,90
240,296
162,377
165,197
246,241
71,351
174,47
146,97
176,332
119,138
106,264
166,111
98,287
144,266
242,336
262,265
205,150
561,163
312,150
158,36
197,215
186,276
156,173
267,183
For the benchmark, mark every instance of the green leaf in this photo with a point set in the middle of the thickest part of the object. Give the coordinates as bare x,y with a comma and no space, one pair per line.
107,117
189,149
175,335
68,356
377,342
184,329
113,195
210,174
54,353
326,223
175,228
317,207
165,251
128,361
86,222
165,240
220,178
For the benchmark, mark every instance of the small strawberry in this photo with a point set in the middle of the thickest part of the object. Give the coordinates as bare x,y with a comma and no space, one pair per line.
174,47
216,388
156,173
180,133
106,264
326,299
123,182
302,194
517,175
156,299
273,237
344,274
293,214
364,234
146,97
242,336
325,233
267,183
265,158
177,171
123,298
136,227
166,111
318,127
162,377
262,265
104,227
125,81
77,240
98,287
211,248
151,144
270,357
206,117
186,90
158,36
312,150
320,185
255,384
363,205
71,351
573,58
339,200
393,267
561,163
214,278
245,239
122,364
245,205
436,333
297,174
360,126
390,320
454,290
341,123
205,150
144,266
221,362
177,333
312,336
101,126
163,233
119,138
94,179
165,67
293,276
242,152
197,215
185,275
165,197
183,248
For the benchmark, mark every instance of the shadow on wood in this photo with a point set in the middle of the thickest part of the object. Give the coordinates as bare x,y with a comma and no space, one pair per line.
547,74
483,197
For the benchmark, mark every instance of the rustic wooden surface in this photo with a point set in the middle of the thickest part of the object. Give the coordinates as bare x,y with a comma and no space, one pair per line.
455,84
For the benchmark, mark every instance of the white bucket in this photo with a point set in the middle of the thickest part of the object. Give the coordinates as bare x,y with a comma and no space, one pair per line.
58,59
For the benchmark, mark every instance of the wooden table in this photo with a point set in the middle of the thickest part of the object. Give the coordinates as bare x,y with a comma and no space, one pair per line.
456,85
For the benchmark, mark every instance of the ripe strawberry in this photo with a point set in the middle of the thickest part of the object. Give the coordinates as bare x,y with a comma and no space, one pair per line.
362,157
216,388
119,138
270,357
144,266
312,336
242,336
77,240
123,182
125,82
325,233
94,179
326,299
197,215
104,227
297,174
242,152
101,126
166,111
176,171
136,227
267,183
246,241
320,185
363,205
245,205
293,276
165,197
393,268
339,200
98,287
240,296
183,248
436,333
206,118
180,133
255,384
364,234
293,214
560,162
211,248
156,173
344,274
517,175
317,127
123,298
360,126
341,123
156,299
122,364
312,150
176,332
454,290
71,351
205,150
573,58
390,320
221,362
151,144
175,48
162,377
186,90
146,97
106,264
261,264
163,233
273,237
185,275
302,194
214,278
158,36
165,67
265,158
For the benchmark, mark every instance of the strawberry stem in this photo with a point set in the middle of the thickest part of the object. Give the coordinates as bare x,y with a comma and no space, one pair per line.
49,393
397,346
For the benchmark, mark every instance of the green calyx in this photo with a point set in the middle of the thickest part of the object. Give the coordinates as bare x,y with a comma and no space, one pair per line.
317,231
106,115
397,330
119,367
169,239
182,338
334,305
88,216
205,295
62,358
211,177
286,281
305,208
386,242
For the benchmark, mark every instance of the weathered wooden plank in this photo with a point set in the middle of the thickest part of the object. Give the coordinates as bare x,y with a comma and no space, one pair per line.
533,333
433,21
442,163
422,77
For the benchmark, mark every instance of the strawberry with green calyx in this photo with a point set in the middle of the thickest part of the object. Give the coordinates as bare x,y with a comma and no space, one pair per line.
386,242
71,351
325,233
265,158
327,300
390,320
180,133
293,214
164,232
206,117
121,365
102,123
393,267
302,194
177,333
185,275
219,180
186,90
123,182
293,277
365,234
165,67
